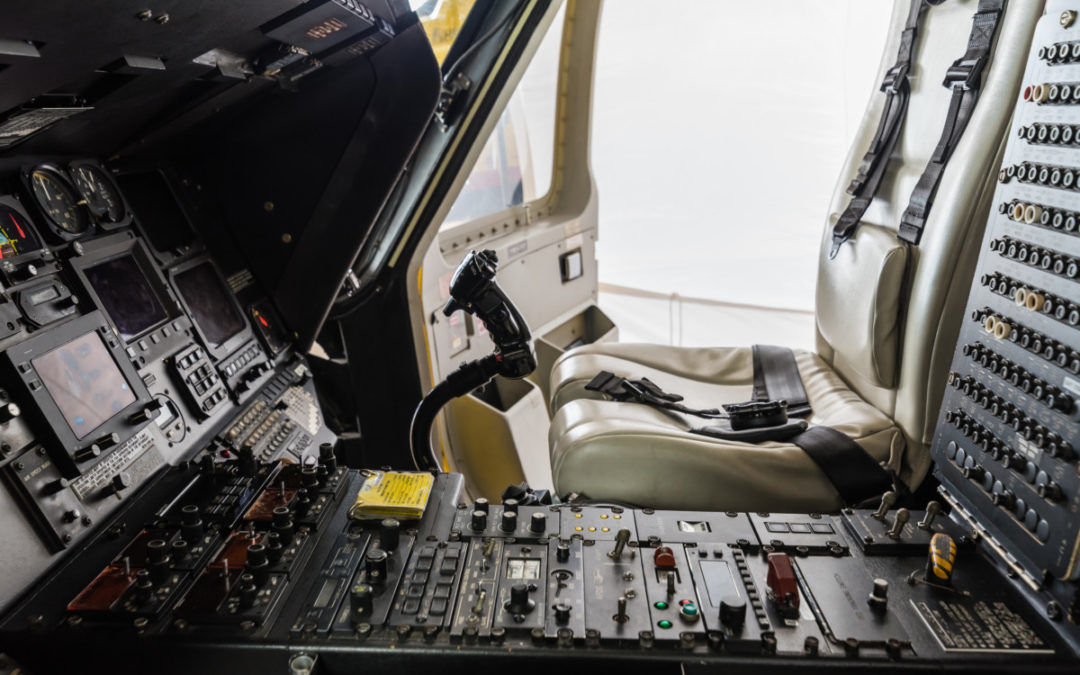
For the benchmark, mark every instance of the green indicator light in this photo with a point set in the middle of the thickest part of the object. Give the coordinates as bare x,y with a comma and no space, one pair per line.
664,623
661,605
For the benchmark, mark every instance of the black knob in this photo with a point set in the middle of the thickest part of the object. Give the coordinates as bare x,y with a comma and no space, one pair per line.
974,473
510,505
57,485
191,525
247,461
327,457
71,515
389,534
562,612
282,524
562,552
121,481
144,587
375,563
258,563
732,612
509,521
1051,491
481,504
180,550
107,441
248,590
8,412
519,602
156,550
302,505
309,477
274,548
87,453
478,521
361,601
538,523
148,413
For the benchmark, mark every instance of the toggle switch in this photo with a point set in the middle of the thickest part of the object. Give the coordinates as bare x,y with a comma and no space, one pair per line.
932,509
887,500
901,518
622,538
620,610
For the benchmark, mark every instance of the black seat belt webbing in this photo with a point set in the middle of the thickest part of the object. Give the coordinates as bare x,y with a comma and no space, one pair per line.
964,77
853,472
776,378
872,168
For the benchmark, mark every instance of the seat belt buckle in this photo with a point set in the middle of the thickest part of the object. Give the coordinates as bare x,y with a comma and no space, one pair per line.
964,72
756,414
894,76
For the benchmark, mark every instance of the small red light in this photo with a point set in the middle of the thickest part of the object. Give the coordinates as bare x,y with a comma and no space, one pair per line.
263,321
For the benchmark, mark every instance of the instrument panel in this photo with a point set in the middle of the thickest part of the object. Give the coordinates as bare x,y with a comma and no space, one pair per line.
124,348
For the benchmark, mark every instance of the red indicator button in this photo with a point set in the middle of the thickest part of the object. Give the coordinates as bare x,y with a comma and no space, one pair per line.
664,558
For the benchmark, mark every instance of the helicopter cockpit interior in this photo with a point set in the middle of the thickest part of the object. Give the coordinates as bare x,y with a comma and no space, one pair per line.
304,367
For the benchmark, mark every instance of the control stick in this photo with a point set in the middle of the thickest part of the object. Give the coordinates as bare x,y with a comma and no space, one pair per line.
474,290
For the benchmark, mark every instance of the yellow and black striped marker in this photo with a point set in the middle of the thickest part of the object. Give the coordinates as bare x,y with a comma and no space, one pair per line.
939,565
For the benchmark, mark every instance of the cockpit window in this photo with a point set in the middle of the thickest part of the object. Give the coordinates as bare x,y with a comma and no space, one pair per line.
515,165
442,21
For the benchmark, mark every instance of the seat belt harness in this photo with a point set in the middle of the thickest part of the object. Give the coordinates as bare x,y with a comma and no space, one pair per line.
872,168
964,78
777,383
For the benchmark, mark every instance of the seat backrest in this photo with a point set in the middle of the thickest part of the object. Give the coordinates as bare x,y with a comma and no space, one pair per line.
887,314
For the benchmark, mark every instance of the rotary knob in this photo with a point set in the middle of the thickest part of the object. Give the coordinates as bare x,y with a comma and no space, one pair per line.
478,522
519,602
375,564
509,521
389,534
538,523
732,612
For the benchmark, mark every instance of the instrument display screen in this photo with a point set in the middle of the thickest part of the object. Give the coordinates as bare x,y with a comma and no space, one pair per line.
85,382
126,295
210,302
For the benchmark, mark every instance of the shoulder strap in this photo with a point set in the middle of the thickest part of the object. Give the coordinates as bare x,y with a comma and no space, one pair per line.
853,472
964,77
776,378
872,169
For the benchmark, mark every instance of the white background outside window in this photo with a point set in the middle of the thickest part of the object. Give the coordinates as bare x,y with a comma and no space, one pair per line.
719,131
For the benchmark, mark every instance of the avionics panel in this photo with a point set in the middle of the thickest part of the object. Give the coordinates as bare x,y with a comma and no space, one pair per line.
82,385
123,281
216,314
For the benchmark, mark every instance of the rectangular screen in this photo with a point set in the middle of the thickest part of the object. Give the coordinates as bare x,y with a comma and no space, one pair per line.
85,383
126,295
210,302
157,210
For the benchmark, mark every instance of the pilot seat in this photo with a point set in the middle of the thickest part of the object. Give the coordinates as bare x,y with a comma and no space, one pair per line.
887,312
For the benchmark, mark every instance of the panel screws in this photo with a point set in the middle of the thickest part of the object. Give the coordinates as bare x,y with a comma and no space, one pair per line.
162,20
144,15
1068,17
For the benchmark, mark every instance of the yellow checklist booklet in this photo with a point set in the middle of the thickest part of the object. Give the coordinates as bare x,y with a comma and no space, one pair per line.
392,494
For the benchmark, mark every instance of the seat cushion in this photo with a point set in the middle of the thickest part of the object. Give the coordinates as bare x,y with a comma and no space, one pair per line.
635,453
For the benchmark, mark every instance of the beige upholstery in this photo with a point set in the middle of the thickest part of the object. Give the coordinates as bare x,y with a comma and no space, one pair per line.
887,319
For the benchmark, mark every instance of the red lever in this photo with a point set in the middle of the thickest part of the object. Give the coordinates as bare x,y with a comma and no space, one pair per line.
783,586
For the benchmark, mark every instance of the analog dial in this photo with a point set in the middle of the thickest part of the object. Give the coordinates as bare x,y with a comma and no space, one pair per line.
101,194
58,200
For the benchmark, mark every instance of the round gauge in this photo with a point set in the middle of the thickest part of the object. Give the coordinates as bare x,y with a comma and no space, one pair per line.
16,237
58,200
101,194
